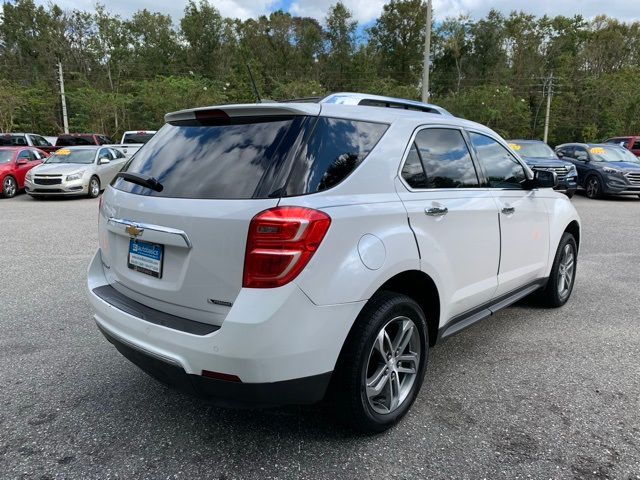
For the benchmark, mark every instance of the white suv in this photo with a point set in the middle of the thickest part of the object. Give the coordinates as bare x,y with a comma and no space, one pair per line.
269,254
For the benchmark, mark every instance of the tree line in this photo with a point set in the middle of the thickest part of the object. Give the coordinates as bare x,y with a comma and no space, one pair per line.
126,73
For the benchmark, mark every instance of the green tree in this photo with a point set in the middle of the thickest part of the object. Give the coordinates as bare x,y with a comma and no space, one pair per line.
203,29
495,107
340,46
398,36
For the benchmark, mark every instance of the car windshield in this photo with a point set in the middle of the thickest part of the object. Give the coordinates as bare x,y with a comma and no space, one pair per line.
5,156
137,137
538,149
65,155
11,140
612,154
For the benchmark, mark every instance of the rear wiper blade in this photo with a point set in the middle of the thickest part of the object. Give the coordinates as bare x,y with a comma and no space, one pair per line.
142,179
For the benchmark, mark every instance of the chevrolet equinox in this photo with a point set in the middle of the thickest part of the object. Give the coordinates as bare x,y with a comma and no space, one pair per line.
280,253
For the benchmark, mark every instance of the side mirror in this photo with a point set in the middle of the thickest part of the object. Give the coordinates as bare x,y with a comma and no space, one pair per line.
545,179
21,161
560,154
103,160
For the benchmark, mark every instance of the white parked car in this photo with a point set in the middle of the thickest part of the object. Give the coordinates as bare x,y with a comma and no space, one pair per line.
139,137
25,140
132,141
75,171
268,254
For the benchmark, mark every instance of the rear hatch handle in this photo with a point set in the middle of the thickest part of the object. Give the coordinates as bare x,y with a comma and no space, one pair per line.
149,232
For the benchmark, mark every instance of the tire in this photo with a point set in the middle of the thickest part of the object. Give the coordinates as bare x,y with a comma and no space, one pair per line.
557,292
593,187
361,363
94,187
9,187
570,194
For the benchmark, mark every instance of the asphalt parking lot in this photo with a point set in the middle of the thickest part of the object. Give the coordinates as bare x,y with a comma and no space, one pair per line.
530,393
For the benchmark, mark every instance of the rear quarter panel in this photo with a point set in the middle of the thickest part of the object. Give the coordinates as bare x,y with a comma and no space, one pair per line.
365,203
375,231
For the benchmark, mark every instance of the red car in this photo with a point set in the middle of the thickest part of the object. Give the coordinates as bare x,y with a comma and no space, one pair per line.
15,162
630,142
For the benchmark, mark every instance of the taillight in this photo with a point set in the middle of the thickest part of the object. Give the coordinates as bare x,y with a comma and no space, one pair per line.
280,243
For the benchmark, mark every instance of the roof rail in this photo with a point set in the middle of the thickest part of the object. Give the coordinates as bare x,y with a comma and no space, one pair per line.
348,98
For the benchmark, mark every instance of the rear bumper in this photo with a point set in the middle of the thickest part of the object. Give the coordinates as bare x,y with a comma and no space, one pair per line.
274,340
306,390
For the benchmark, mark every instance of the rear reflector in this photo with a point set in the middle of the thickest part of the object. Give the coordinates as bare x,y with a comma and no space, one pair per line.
221,376
280,243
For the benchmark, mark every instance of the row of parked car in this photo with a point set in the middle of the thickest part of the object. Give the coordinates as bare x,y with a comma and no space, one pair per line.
86,165
78,164
608,168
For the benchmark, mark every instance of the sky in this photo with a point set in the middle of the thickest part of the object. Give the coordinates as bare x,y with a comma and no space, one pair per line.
365,11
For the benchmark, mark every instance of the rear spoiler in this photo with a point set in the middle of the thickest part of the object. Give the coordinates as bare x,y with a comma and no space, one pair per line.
244,110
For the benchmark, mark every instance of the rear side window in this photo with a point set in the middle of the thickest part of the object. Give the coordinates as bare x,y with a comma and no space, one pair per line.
412,171
334,150
251,157
446,159
636,145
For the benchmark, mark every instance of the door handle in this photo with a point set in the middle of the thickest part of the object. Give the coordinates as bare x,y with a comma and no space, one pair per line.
436,211
508,210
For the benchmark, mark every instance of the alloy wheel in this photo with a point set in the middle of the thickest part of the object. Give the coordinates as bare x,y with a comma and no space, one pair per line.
391,370
592,187
9,187
566,270
94,188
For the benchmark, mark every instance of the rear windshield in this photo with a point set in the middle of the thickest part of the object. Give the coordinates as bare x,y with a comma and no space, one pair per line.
13,140
138,137
252,157
64,141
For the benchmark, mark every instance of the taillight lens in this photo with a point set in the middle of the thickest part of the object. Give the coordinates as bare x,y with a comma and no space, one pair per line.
280,243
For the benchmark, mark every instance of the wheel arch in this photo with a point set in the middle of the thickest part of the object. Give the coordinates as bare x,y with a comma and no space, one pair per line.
419,286
574,229
593,173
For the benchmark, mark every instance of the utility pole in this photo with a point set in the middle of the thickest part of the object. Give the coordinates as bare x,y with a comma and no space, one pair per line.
427,56
65,121
546,117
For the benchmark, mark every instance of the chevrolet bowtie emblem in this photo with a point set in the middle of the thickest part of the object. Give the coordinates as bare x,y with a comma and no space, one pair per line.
134,231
